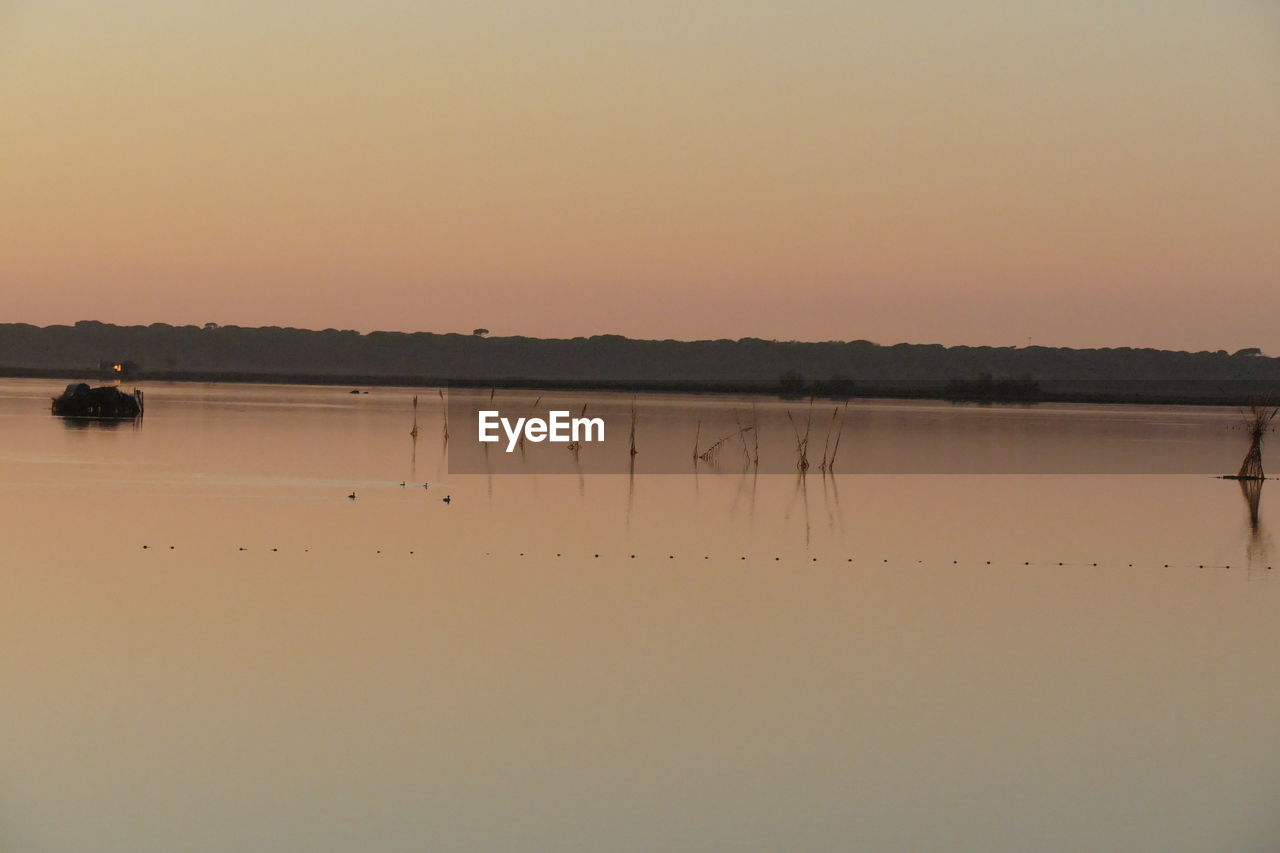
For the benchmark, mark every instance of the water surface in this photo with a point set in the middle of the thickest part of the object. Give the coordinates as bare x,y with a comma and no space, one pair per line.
211,647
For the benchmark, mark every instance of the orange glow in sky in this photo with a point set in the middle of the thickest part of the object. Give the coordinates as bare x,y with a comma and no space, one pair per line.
1085,174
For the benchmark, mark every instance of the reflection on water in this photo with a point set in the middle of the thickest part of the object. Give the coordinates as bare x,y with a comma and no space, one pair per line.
718,660
725,434
1258,549
81,423
1252,491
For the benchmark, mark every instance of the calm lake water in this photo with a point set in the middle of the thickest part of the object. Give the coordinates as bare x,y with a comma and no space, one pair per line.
210,647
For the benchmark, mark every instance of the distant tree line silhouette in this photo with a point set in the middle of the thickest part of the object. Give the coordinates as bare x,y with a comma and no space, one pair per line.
791,368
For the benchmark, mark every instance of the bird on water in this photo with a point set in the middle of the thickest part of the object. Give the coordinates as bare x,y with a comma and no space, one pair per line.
447,499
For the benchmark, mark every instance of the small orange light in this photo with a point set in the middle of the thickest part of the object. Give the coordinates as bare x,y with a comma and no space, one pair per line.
118,368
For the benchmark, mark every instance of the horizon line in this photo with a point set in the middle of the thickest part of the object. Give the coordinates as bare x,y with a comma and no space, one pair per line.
1254,351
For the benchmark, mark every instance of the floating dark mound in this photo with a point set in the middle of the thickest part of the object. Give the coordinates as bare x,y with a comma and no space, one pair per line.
81,401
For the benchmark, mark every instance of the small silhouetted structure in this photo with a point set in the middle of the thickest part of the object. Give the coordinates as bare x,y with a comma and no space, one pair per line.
480,333
1260,416
81,401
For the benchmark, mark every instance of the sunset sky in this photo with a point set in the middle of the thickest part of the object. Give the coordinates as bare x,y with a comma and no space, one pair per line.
1083,173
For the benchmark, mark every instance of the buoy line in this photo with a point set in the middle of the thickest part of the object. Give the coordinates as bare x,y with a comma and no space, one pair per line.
669,556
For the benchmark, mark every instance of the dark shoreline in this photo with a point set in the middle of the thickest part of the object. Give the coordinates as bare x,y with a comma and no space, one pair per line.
1120,392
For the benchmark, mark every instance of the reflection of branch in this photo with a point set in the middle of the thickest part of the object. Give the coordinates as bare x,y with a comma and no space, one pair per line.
801,493
709,454
533,411
577,467
1252,491
574,446
631,490
831,463
826,445
755,435
737,494
445,408
633,434
746,454
802,442
751,512
828,463
802,489
1257,547
835,494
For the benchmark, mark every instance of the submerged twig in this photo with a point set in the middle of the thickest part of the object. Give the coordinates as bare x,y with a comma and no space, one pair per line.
633,432
709,454
802,441
444,405
829,448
